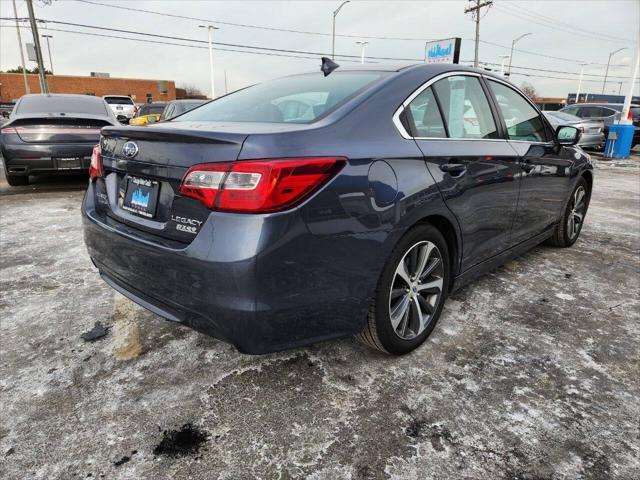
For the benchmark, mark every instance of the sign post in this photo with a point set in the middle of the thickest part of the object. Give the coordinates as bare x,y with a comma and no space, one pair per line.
443,51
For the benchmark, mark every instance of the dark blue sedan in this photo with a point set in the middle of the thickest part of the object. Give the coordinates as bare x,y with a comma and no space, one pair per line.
313,207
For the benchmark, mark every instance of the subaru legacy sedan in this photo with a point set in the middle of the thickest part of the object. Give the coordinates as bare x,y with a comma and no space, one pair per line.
313,207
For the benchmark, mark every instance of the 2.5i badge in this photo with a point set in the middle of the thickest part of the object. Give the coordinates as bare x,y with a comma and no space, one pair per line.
185,224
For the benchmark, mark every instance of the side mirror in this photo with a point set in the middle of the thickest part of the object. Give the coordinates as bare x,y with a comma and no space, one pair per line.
151,120
566,135
122,119
5,114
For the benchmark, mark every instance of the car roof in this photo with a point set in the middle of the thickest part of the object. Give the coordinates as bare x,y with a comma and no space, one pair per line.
117,96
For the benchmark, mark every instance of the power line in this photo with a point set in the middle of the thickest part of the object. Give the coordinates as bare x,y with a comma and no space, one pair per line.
195,40
554,22
273,51
526,16
246,25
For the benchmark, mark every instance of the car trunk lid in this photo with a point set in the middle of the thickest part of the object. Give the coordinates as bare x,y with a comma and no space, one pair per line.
142,180
58,129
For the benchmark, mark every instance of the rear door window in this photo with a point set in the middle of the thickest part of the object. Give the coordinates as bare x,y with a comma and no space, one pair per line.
425,116
571,111
523,122
465,108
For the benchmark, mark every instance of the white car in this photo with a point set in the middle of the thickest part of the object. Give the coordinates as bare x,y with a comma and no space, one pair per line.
121,105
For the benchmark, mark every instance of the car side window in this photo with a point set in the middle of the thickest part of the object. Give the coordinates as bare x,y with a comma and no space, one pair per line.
425,116
522,120
168,112
465,107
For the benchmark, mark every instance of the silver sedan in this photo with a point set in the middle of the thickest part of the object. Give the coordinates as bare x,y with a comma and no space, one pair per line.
592,130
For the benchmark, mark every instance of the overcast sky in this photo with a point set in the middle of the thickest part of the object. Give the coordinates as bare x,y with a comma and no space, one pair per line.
602,26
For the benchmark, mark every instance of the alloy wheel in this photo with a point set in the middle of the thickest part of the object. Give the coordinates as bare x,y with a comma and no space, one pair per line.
416,289
577,209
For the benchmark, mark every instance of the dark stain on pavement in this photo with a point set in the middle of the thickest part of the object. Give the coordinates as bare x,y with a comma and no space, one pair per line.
176,443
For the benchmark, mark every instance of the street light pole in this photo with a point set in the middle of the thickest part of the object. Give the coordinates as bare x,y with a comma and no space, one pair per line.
606,73
362,45
36,40
210,29
513,44
333,32
49,49
504,58
582,65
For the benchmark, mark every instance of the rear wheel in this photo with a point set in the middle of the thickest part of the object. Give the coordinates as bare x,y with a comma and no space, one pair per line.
568,229
410,293
17,180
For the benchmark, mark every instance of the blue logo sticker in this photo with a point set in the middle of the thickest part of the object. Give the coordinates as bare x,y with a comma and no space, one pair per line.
139,199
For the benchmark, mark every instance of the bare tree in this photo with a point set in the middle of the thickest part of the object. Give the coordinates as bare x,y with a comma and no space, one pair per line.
529,90
192,90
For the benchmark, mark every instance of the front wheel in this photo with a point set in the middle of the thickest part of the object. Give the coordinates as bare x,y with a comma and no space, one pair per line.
568,229
410,293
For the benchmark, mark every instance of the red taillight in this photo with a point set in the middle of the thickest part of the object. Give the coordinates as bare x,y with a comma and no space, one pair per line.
258,186
8,130
95,169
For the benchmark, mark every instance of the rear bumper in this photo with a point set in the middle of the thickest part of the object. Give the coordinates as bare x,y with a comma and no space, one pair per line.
33,159
262,283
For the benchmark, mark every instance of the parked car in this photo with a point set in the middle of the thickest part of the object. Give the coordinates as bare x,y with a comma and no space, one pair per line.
178,107
52,133
148,113
123,107
608,113
272,232
592,130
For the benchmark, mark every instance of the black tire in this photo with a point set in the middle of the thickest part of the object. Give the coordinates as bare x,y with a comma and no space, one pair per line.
379,332
17,180
562,236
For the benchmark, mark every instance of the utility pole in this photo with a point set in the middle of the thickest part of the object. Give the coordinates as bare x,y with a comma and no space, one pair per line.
606,73
36,41
49,49
333,32
24,68
475,13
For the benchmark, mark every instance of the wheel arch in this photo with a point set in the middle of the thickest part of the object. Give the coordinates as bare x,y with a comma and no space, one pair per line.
446,227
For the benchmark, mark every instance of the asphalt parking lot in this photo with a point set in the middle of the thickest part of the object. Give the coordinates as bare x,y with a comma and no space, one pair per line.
532,371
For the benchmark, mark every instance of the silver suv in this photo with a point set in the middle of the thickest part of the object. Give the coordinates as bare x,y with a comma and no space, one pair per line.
121,106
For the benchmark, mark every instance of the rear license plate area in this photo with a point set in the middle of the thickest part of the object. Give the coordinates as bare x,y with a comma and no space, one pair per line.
68,163
141,196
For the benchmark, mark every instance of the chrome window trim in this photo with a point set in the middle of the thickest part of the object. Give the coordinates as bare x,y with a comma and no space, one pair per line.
418,91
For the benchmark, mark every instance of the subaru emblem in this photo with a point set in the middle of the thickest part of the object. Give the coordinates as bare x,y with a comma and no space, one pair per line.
130,149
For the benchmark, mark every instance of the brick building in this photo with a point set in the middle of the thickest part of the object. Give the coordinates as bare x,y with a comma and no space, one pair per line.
12,87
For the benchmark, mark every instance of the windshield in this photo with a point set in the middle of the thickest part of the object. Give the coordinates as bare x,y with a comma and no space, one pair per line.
118,100
295,99
48,104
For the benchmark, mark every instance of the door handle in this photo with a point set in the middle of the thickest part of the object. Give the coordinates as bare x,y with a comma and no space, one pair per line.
454,169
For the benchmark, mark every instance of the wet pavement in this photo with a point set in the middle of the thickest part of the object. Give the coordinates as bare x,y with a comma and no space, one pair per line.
532,371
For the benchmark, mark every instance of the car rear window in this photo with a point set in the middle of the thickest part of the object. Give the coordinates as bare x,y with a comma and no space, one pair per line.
119,100
151,110
295,99
46,104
